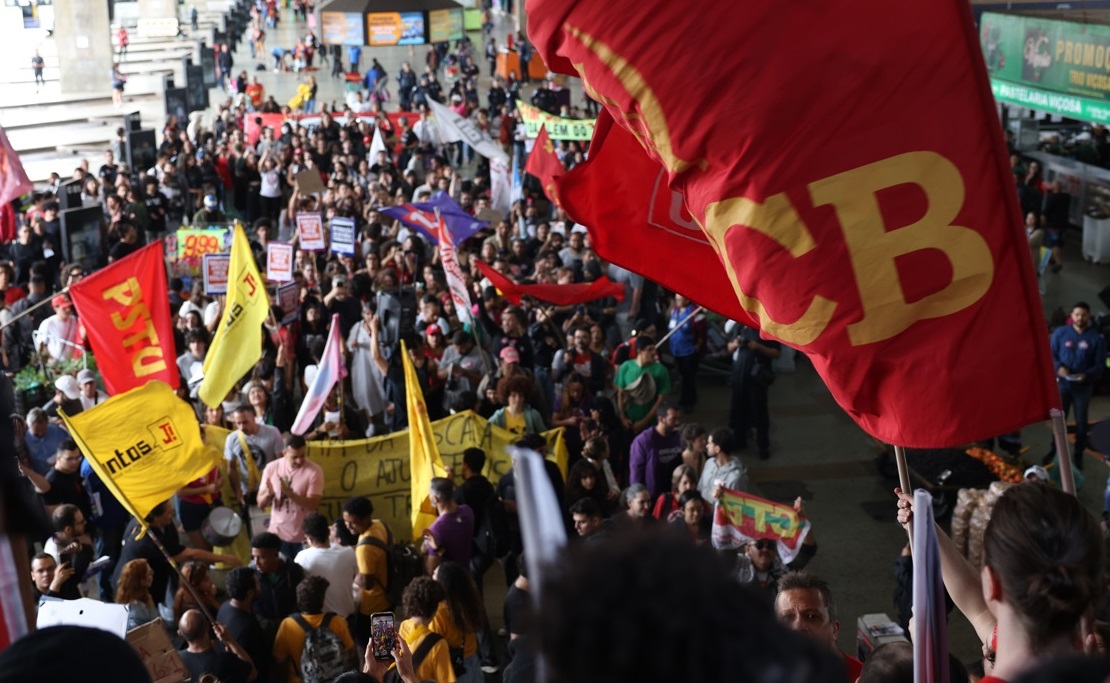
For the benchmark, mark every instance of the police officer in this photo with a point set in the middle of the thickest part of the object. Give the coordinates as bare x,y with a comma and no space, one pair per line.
1078,352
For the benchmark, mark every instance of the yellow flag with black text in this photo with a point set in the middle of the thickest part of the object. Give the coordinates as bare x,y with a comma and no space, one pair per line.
144,444
424,460
237,344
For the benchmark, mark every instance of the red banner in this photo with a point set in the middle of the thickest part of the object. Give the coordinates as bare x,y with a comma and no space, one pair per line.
560,295
132,337
851,218
13,179
545,165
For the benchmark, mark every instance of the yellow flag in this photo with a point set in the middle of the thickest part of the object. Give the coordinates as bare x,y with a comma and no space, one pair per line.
424,460
237,345
144,444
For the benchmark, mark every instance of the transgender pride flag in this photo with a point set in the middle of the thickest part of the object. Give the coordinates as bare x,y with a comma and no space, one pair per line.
329,372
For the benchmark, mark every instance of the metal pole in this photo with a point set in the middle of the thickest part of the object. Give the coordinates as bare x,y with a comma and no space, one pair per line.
1063,460
682,322
65,290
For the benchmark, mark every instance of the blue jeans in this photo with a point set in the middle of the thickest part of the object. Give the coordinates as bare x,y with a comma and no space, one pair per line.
1078,394
290,550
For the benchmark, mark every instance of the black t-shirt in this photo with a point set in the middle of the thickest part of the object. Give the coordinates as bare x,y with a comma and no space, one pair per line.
122,249
246,630
517,610
223,665
475,492
67,488
145,549
278,598
156,212
349,310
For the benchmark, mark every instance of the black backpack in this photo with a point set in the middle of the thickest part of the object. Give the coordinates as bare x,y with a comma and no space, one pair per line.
403,563
493,537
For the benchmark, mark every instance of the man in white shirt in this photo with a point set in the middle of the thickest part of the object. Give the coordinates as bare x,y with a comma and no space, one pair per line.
338,565
264,443
59,328
90,395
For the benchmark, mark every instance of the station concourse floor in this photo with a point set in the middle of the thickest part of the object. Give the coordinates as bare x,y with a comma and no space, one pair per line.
817,451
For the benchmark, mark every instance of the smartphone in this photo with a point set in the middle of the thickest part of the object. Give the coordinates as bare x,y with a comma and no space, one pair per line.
383,636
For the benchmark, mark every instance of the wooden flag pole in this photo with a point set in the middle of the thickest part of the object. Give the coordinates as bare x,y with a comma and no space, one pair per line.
1063,459
904,479
188,586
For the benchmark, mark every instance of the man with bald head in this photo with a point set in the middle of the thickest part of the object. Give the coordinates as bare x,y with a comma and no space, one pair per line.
231,665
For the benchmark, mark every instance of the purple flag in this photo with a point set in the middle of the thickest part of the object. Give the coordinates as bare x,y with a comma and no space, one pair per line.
422,217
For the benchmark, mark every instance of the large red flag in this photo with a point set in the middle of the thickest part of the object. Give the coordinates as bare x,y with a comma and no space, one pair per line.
127,318
560,295
545,165
846,164
13,179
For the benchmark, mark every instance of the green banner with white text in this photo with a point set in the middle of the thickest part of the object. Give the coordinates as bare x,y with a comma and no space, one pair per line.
1045,57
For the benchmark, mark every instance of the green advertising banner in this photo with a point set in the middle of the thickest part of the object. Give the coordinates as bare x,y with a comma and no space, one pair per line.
1070,106
1045,55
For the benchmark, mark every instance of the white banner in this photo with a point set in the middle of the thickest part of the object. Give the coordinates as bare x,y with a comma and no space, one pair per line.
501,185
454,128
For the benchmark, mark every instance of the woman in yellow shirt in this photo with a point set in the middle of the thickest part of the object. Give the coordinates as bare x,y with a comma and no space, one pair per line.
459,618
421,601
517,416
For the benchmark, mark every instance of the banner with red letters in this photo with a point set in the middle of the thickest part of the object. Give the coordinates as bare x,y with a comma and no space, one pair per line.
128,321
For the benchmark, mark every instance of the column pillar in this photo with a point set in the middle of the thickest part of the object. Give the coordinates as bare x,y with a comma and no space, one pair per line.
83,36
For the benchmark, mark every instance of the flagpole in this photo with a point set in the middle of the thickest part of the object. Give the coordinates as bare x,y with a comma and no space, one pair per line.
677,327
1063,461
64,290
474,319
904,480
188,586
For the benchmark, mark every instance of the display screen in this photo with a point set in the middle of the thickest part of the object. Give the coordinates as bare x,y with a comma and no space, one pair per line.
342,28
445,25
395,28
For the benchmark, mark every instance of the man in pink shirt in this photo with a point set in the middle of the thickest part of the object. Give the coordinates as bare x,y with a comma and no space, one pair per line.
294,485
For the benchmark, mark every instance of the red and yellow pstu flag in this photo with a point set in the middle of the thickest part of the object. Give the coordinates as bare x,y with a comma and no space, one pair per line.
126,311
846,173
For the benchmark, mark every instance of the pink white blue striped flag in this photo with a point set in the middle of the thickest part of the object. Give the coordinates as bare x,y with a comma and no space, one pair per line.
330,371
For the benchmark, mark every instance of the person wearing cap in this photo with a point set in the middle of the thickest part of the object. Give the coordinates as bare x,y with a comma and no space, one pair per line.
90,395
1036,474
67,398
210,214
59,328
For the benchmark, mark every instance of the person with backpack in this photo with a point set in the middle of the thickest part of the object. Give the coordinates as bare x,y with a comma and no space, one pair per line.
372,554
313,646
431,655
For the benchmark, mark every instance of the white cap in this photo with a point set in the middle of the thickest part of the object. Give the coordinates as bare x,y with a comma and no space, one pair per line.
67,384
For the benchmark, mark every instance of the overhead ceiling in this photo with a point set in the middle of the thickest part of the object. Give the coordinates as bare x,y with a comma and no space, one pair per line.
1083,12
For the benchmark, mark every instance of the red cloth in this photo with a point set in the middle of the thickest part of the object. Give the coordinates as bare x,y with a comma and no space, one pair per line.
844,211
854,666
560,295
135,343
545,165
13,179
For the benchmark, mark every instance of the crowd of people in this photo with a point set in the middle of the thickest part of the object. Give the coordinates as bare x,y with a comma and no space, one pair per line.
641,481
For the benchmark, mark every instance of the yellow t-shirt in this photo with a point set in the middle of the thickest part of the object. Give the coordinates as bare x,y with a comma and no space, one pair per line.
289,643
372,560
444,625
437,664
515,423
